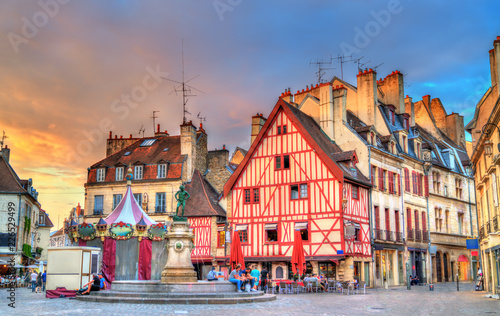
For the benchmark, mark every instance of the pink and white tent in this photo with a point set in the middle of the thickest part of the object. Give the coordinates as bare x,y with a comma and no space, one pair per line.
128,211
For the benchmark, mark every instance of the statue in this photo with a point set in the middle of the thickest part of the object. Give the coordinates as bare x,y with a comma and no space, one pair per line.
181,196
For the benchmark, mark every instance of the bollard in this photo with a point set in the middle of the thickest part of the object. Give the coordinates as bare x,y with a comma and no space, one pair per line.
457,284
431,287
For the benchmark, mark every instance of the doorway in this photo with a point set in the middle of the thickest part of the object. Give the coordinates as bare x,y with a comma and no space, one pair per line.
445,265
439,276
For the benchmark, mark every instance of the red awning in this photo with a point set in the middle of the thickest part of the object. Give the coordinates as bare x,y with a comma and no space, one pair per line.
462,258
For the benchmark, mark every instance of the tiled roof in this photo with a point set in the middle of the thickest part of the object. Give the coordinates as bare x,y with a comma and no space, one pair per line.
343,156
204,198
48,222
60,232
9,181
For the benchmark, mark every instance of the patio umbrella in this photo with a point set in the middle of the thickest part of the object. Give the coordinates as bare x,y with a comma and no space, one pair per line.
3,261
33,266
236,251
19,266
298,258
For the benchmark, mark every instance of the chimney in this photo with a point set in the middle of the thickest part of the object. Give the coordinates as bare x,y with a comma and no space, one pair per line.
188,147
455,128
410,110
257,122
5,153
287,96
326,109
367,96
339,110
439,114
394,91
495,63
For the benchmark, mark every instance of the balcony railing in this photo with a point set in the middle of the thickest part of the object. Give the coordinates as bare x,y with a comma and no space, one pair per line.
161,209
481,232
425,235
488,227
410,234
378,234
388,235
399,237
418,234
495,223
98,211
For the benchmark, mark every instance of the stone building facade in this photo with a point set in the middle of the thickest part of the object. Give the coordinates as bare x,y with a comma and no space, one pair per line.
484,128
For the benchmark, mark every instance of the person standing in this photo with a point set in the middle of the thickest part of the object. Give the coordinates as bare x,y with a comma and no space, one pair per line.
255,274
44,280
27,278
264,275
34,275
38,283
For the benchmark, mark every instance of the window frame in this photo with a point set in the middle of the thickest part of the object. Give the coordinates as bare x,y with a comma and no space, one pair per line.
100,175
138,169
161,171
281,160
138,202
299,191
101,210
159,205
115,197
355,188
119,171
266,241
240,234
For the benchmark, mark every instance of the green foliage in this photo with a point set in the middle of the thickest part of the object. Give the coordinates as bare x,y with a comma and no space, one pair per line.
27,250
27,224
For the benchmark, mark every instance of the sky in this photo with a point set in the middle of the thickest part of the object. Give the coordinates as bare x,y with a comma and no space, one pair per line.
71,71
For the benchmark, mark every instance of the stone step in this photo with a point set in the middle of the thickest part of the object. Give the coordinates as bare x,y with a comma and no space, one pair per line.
177,295
243,299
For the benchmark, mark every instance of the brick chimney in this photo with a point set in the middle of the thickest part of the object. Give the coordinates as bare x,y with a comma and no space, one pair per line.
5,153
367,96
455,128
339,110
410,110
393,88
495,63
114,145
257,122
188,147
326,109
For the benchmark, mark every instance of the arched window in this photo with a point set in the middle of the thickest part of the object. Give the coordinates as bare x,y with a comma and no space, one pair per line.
279,273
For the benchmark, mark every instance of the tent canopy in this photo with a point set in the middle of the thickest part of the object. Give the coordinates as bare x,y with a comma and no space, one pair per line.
128,211
462,258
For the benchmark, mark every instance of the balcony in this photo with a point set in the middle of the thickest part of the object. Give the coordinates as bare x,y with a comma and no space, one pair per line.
425,236
160,209
495,223
388,235
488,228
410,234
418,234
378,234
98,211
481,232
399,237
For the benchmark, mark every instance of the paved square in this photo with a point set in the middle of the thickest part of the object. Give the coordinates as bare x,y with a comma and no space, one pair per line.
445,300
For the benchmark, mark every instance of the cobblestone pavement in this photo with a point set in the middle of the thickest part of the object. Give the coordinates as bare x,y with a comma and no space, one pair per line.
445,300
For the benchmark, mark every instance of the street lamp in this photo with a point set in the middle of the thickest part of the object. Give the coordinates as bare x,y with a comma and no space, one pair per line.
488,129
427,166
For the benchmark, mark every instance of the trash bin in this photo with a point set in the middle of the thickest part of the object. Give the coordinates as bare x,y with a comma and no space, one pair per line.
431,287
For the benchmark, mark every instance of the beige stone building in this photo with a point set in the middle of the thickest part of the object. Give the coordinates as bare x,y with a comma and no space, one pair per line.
484,128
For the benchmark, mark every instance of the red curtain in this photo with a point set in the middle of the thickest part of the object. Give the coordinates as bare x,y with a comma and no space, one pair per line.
145,252
109,260
82,243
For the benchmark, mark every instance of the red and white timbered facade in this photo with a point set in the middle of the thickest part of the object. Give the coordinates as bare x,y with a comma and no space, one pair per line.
289,181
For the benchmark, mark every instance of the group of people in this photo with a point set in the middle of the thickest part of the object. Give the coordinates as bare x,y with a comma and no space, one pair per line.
322,281
249,279
414,280
31,279
97,283
38,281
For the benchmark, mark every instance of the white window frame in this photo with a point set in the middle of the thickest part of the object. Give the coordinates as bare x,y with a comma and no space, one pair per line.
138,172
101,174
119,173
162,171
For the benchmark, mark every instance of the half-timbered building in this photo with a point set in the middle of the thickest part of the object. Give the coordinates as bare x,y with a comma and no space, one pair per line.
295,178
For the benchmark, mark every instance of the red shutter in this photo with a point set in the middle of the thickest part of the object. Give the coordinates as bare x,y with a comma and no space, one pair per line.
408,218
387,220
424,226
414,180
420,180
399,184
377,218
416,220
407,180
426,184
381,179
396,222
391,182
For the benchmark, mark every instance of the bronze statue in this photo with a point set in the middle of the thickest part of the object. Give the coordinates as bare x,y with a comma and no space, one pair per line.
181,196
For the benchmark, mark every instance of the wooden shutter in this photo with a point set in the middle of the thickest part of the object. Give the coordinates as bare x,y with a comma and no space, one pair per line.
407,180
396,221
424,224
399,184
387,220
381,179
377,218
416,220
408,218
391,182
426,184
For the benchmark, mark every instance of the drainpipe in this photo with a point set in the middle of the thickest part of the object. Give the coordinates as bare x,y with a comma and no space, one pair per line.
370,216
477,224
18,223
431,286
471,228
401,179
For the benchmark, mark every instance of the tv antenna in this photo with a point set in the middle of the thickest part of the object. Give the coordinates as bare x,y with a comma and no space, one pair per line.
4,137
201,118
154,117
184,88
321,70
358,61
342,59
141,130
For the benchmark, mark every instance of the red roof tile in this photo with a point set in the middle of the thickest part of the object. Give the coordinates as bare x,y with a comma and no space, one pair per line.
204,198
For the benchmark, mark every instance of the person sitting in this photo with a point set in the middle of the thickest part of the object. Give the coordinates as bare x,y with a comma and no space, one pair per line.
235,277
211,276
93,285
248,279
103,286
255,273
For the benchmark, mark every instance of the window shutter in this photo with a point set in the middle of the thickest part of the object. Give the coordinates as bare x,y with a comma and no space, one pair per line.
391,182
399,184
426,184
408,218
424,227
407,180
381,179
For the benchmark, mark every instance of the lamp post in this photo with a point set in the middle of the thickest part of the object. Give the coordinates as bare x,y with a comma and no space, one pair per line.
427,167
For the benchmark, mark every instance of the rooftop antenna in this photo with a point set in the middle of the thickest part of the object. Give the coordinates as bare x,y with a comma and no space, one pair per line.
375,68
358,61
342,59
321,70
201,118
184,88
141,130
4,137
154,117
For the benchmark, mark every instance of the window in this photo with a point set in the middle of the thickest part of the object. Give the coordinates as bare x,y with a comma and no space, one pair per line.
377,217
355,192
119,173
372,136
407,124
282,162
407,180
460,224
138,198
447,221
414,180
384,176
416,220
252,196
41,219
391,182
98,204
445,190
436,182
420,183
393,149
148,142
162,171
304,231
357,232
221,236
374,175
100,174
418,150
277,161
116,199
138,172
242,232
404,144
271,232
296,194
391,116
281,129
161,199
458,188
439,219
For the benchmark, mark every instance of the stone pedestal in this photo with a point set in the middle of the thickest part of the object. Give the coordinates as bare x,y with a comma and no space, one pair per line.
179,268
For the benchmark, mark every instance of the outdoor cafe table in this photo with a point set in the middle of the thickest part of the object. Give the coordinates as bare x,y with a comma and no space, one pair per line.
288,282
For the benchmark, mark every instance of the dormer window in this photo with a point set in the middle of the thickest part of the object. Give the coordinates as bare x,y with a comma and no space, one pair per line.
138,172
119,173
372,136
162,171
100,174
406,123
393,150
392,116
404,144
418,150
